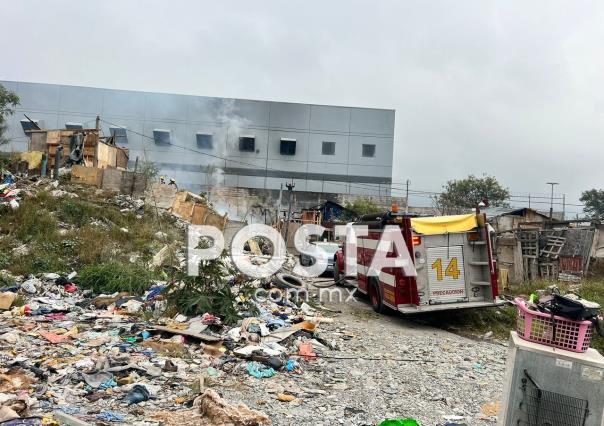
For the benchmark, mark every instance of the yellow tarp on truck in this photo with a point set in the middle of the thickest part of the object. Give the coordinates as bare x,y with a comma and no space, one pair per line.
444,224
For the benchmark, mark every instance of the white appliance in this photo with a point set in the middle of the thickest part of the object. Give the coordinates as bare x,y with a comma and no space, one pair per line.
546,386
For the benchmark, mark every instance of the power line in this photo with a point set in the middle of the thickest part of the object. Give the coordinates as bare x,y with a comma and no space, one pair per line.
358,185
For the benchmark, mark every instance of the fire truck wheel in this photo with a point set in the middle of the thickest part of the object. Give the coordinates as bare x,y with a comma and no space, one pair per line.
336,272
375,297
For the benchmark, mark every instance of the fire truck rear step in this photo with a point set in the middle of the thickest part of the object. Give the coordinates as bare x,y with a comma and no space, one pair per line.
414,310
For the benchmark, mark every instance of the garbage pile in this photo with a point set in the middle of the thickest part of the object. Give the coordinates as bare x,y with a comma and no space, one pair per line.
127,203
69,354
14,188
9,194
570,306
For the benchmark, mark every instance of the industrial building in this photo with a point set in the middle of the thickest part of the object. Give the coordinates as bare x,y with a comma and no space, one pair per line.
205,141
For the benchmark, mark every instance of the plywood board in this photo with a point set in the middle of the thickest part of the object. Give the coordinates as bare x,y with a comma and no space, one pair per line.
106,156
87,175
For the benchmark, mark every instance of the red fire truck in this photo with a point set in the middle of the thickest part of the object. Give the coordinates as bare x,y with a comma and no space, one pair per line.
452,256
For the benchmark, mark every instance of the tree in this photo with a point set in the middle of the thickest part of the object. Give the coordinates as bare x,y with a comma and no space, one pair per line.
463,194
8,101
149,169
594,203
363,206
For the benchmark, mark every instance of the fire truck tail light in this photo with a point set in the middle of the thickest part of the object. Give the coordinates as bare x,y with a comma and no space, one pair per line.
417,240
474,236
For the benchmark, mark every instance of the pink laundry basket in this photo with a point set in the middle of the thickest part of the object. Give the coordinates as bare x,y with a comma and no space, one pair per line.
538,327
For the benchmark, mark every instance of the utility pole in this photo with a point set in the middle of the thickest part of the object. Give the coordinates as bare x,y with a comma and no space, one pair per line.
97,125
551,200
407,197
278,215
290,187
563,206
58,153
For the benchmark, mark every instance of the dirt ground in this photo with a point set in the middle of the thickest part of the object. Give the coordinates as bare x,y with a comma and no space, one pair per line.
394,368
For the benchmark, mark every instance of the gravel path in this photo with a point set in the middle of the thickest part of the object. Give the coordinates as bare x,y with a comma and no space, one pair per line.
462,376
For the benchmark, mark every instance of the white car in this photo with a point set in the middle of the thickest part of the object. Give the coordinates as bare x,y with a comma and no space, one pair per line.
329,248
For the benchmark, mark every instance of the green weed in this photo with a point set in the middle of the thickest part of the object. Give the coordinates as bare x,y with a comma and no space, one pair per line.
114,276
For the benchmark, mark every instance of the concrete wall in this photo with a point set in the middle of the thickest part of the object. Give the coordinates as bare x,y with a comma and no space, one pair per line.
226,120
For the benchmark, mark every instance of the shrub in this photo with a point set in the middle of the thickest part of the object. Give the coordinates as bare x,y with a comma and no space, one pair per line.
211,292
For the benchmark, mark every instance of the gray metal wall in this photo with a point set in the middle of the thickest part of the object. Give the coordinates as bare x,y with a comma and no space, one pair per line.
226,119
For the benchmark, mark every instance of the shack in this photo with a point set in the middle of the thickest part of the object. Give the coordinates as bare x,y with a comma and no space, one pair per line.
528,245
79,146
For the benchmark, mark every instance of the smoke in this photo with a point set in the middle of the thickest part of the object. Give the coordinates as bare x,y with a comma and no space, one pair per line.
226,139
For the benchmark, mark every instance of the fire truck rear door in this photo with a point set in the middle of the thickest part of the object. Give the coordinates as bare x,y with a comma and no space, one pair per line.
446,274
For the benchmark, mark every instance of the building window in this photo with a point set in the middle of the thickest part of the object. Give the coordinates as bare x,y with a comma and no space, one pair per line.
29,126
368,150
70,125
288,146
328,148
161,136
119,133
247,143
204,141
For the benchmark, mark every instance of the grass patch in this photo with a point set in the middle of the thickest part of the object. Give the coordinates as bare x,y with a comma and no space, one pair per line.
5,260
75,211
111,277
92,232
502,320
30,223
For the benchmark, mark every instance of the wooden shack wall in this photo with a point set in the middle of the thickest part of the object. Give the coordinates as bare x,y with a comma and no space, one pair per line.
509,256
54,138
38,141
110,179
111,156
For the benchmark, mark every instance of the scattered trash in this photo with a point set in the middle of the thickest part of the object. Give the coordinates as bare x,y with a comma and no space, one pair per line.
219,411
306,350
30,285
285,397
55,338
291,365
479,368
453,418
7,414
110,416
259,370
137,394
490,409
6,300
96,380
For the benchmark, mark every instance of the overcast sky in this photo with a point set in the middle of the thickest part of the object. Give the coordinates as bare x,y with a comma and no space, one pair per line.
511,88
